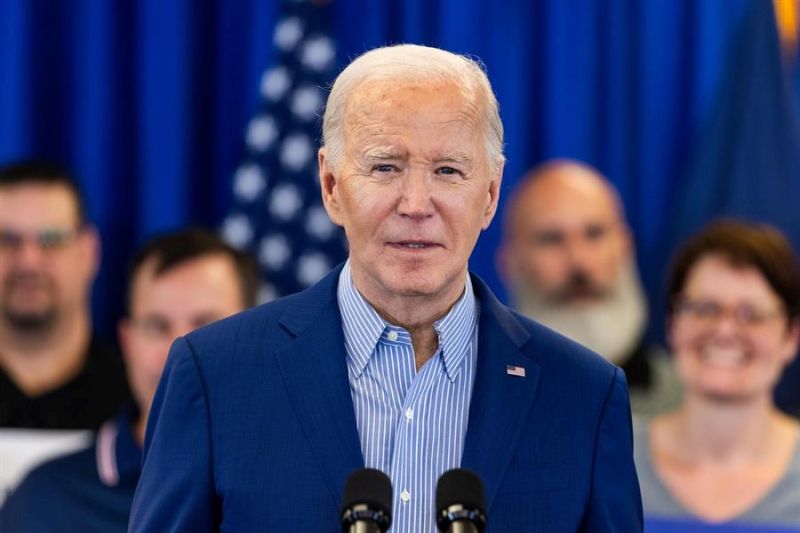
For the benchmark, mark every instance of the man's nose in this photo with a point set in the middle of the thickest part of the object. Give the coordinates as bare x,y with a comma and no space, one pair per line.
580,254
29,253
416,195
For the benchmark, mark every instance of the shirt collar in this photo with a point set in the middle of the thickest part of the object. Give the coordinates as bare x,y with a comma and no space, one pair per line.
363,327
118,455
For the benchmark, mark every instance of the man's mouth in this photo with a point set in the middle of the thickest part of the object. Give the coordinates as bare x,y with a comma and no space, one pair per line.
577,295
414,245
27,282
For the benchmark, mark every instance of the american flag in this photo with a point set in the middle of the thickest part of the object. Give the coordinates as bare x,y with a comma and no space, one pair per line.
513,370
277,212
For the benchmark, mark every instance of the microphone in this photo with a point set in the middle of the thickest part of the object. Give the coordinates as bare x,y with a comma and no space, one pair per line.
460,503
367,502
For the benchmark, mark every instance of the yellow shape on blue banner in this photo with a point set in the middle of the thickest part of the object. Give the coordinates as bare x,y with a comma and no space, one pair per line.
787,13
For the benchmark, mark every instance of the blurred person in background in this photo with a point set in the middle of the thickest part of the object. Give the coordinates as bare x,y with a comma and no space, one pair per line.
57,378
178,282
727,456
54,373
567,257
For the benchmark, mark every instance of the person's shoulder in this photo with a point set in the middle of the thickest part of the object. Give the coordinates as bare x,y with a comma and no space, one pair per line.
266,326
306,303
53,476
67,465
550,348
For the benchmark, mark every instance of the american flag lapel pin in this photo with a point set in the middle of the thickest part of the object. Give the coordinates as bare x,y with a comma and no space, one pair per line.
518,371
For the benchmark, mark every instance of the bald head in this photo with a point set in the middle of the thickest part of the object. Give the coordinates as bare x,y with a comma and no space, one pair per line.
567,258
558,190
565,233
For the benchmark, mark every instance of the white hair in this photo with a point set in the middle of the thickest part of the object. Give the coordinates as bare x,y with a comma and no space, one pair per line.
413,63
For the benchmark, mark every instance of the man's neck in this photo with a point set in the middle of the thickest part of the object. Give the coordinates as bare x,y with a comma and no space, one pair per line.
417,314
418,318
41,361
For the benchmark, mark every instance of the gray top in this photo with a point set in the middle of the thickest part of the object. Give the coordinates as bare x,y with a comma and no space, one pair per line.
665,392
780,506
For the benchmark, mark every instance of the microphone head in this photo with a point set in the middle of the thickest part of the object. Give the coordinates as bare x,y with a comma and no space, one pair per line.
459,496
367,496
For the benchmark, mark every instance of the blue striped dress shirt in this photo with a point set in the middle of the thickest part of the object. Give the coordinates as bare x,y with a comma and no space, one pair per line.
411,424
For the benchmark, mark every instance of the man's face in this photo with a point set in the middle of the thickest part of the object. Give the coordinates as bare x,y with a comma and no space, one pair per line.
569,244
47,260
171,304
414,189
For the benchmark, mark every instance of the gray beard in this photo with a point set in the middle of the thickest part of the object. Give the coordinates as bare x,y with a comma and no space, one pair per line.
611,327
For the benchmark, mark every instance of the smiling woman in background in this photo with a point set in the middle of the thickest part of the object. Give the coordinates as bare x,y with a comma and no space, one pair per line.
727,455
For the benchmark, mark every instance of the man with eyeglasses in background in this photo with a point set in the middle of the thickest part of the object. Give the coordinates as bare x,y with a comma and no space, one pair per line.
178,282
54,372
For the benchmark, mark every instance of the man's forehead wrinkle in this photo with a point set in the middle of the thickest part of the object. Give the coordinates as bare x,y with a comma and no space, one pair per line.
373,120
379,141
383,153
389,122
434,155
383,96
454,157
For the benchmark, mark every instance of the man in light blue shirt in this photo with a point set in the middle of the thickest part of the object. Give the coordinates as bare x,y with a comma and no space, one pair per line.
417,430
399,359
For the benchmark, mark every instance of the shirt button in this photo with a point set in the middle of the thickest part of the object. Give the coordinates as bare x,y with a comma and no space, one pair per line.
409,414
405,496
392,335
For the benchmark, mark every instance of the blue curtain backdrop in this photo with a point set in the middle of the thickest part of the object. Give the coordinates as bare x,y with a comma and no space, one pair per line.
148,100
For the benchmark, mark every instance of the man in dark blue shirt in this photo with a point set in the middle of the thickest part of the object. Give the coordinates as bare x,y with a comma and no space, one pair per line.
178,283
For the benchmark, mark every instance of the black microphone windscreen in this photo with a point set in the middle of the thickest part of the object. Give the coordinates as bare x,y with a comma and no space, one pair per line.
370,487
462,487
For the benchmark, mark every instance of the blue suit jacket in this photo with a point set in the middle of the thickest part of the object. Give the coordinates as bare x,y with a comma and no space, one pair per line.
253,428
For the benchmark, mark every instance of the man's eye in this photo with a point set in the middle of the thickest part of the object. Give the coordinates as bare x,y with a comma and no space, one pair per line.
549,238
154,328
383,168
10,240
594,233
53,238
448,171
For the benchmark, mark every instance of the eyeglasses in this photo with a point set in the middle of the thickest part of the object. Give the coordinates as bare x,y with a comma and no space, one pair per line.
707,312
48,240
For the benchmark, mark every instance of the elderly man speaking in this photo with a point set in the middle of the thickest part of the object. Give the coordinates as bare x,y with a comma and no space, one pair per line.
398,360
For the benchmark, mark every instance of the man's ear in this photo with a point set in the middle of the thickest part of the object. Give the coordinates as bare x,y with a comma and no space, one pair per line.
328,182
90,249
493,196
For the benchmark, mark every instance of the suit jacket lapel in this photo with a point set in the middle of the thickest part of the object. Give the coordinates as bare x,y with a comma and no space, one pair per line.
500,401
314,370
